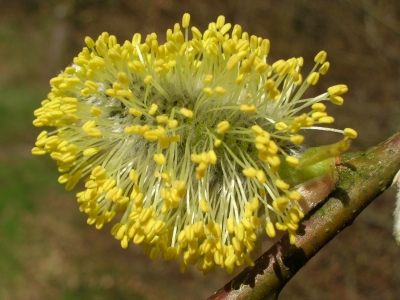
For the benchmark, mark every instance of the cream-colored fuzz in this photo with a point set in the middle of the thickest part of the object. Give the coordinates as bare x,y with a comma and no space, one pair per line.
182,141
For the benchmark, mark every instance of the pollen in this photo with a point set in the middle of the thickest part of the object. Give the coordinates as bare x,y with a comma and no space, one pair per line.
181,144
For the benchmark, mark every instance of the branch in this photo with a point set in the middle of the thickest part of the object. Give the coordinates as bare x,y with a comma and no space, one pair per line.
363,176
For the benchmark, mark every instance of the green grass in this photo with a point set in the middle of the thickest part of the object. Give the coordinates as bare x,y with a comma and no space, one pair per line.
23,178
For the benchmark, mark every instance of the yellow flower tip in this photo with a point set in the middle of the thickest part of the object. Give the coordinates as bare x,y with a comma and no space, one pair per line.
95,111
293,161
186,112
38,151
324,68
217,143
320,58
335,99
223,127
337,90
135,112
249,172
123,78
232,62
282,185
153,109
90,151
220,90
326,120
350,133
148,79
160,159
208,78
318,107
204,206
186,20
292,238
270,230
294,196
89,42
313,78
248,108
297,139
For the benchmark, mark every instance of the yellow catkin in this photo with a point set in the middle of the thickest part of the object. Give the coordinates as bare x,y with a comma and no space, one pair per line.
181,140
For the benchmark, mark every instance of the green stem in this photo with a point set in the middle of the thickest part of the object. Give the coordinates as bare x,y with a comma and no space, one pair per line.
363,176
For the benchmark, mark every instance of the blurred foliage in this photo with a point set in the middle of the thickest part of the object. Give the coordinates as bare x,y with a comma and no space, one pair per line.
48,251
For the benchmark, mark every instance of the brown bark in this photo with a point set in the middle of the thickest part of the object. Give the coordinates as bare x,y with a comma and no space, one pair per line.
363,176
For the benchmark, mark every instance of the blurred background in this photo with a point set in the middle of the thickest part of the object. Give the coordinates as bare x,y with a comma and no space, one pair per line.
46,249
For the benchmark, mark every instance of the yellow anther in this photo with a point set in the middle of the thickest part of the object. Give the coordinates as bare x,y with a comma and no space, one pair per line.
230,223
172,123
320,57
151,135
282,185
220,90
204,206
133,175
153,109
249,172
280,226
95,111
186,112
196,33
90,152
261,67
261,176
70,70
313,78
223,127
335,99
318,107
186,20
257,129
209,91
239,79
324,68
225,28
123,78
350,133
217,143
38,151
162,119
136,66
293,161
211,157
208,79
160,159
94,133
98,172
265,46
135,112
248,108
337,89
318,115
297,139
136,39
220,22
148,79
93,86
269,84
232,62
294,196
326,120
270,229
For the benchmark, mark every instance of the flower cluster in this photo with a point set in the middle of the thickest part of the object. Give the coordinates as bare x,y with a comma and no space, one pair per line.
182,142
